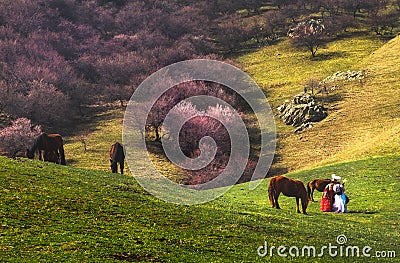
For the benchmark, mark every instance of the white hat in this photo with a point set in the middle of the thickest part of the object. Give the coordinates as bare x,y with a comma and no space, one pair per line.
335,177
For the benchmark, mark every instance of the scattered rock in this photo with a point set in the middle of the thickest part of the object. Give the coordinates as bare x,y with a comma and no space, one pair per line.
302,112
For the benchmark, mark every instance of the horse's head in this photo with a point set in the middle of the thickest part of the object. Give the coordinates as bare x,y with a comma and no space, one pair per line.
305,202
304,199
114,167
30,154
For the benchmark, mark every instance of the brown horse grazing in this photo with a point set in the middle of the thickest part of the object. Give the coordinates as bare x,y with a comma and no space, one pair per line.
318,184
117,155
289,187
50,147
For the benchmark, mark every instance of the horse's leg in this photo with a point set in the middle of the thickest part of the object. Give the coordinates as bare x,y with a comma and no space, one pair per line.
62,154
58,161
297,204
121,166
312,194
114,167
271,196
276,196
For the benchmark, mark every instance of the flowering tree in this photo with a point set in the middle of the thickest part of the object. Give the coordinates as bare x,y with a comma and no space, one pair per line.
73,53
18,137
216,122
309,34
173,96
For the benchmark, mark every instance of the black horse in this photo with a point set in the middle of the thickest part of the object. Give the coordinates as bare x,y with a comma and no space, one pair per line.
117,155
318,184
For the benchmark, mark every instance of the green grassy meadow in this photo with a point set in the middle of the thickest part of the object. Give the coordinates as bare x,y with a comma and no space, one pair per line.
62,214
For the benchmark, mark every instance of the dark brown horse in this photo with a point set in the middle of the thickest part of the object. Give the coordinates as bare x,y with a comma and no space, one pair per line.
117,155
49,147
318,184
288,187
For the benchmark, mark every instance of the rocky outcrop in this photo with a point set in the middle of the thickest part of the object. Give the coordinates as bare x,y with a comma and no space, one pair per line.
302,112
345,76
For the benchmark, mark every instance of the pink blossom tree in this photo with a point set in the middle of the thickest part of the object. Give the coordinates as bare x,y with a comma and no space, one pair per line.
18,137
212,122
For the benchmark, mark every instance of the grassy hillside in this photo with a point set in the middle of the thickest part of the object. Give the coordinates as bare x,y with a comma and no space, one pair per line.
367,121
363,116
363,120
101,132
52,213
282,70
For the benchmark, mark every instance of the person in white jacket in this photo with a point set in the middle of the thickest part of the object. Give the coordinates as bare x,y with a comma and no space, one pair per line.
339,199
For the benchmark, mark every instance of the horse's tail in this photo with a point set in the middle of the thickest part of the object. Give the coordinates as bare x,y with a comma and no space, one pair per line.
62,154
309,190
272,191
35,147
304,197
112,150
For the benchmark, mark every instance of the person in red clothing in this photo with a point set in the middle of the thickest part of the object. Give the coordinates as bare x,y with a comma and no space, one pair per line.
327,198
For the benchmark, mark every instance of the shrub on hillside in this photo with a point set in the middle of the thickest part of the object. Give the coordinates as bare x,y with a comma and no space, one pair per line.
38,100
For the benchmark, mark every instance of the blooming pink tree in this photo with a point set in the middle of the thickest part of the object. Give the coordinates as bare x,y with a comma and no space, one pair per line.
18,137
214,122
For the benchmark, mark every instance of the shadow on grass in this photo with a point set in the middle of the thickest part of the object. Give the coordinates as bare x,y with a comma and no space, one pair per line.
348,35
362,212
71,161
87,123
277,171
328,56
330,98
245,49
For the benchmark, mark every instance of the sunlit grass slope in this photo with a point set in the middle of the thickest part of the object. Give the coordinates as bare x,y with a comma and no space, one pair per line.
52,213
364,116
102,131
282,70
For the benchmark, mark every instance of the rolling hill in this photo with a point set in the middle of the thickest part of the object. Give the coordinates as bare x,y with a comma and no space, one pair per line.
364,117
